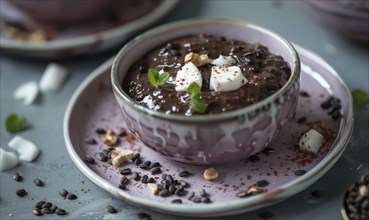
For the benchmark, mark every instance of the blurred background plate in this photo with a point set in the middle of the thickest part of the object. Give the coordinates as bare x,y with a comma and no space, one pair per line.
81,39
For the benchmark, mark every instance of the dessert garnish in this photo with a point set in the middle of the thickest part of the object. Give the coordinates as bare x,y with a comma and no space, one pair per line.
156,78
197,104
15,123
311,141
27,150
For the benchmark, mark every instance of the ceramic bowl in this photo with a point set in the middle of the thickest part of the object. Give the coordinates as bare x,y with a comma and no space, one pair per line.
217,138
348,18
62,12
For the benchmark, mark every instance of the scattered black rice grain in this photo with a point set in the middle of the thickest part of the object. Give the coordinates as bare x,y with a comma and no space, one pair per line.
184,173
47,211
174,46
163,176
39,204
18,177
136,176
137,162
37,212
110,209
300,172
101,157
170,179
155,170
164,193
53,208
254,158
176,201
167,184
124,180
172,189
154,164
262,183
143,216
71,196
179,191
196,199
21,192
265,215
38,182
144,179
61,212
125,171
205,200
145,165
203,193
122,186
47,205
317,194
90,141
304,93
302,120
89,159
107,152
63,192
135,156
190,195
183,183
151,180
100,131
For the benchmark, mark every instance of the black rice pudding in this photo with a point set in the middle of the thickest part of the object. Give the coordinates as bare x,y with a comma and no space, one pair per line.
229,74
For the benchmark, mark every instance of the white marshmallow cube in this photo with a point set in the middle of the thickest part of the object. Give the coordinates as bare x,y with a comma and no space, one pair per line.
311,141
223,61
27,150
188,74
53,77
225,79
8,160
27,92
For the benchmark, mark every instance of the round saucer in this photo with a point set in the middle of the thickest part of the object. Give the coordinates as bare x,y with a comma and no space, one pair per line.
280,172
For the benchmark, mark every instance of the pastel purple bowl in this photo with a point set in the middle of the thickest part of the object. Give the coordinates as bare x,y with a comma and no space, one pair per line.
348,18
217,138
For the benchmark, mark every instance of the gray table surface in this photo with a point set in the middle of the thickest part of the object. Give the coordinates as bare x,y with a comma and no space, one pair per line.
58,171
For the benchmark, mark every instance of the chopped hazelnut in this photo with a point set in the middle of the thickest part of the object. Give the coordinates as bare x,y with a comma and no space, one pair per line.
197,60
153,187
210,174
120,156
111,139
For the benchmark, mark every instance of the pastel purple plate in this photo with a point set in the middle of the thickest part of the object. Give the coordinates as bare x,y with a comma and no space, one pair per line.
93,106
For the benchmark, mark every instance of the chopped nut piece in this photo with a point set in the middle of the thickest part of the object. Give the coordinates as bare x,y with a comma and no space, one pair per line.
111,139
210,174
197,60
120,156
37,36
153,187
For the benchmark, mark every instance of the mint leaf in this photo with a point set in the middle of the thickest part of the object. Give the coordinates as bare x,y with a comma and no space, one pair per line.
360,97
14,123
157,79
196,103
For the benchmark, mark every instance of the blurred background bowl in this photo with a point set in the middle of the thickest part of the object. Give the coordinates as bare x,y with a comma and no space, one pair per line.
347,17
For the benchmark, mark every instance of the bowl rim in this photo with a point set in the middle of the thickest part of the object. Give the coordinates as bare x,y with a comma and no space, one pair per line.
118,90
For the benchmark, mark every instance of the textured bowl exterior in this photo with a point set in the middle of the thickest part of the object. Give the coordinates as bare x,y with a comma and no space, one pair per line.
349,18
209,139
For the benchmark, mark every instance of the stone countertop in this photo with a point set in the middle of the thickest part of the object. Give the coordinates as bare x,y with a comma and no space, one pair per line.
58,171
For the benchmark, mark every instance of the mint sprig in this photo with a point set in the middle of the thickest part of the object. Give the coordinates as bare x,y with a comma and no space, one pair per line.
361,98
196,103
15,123
157,79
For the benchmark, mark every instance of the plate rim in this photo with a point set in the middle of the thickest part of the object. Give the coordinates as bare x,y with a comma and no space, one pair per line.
217,209
83,41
